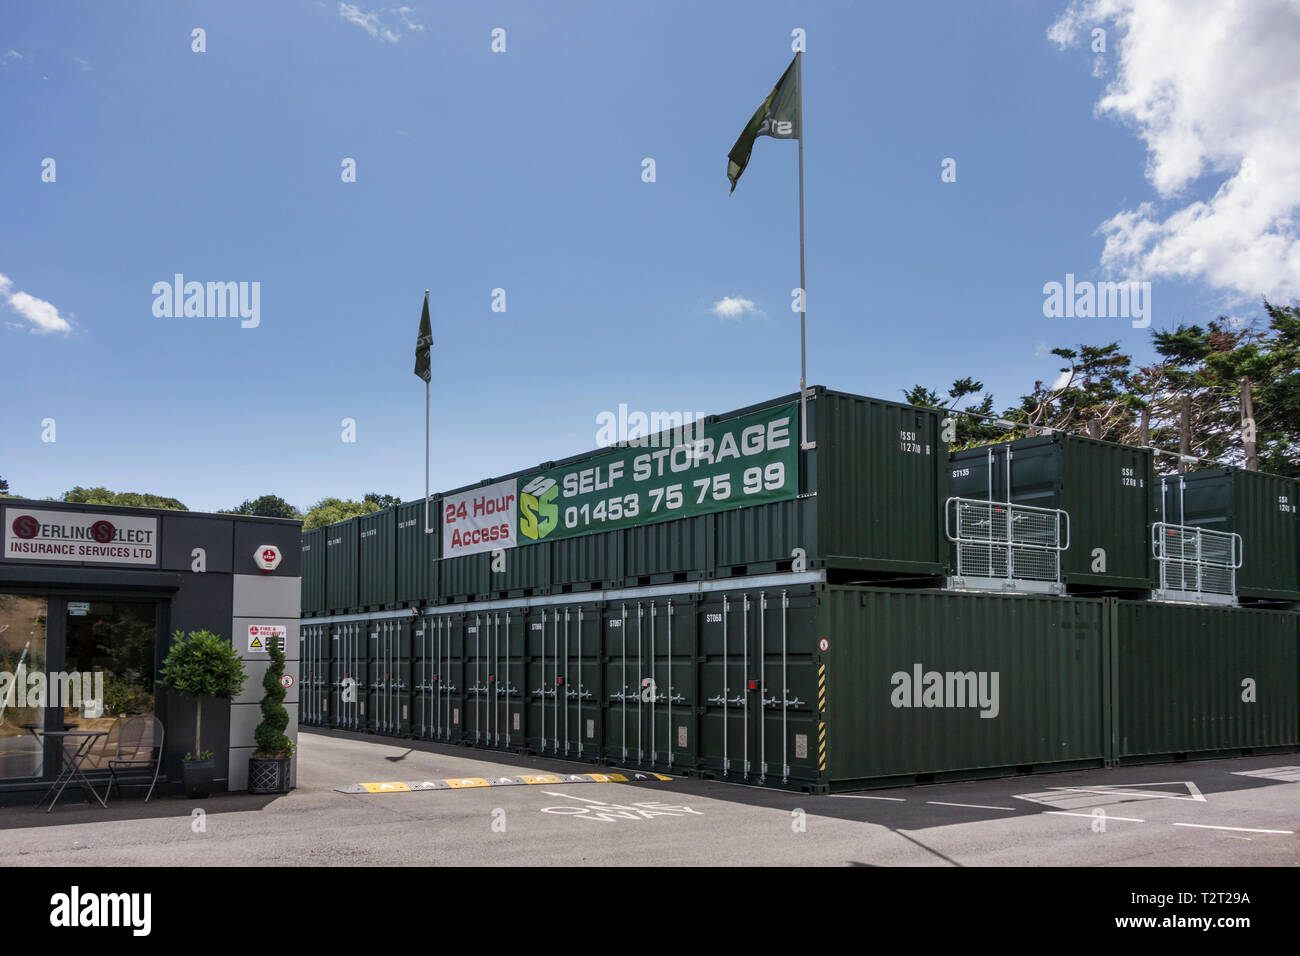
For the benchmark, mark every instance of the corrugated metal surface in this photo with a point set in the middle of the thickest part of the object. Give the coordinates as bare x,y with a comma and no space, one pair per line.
1264,509
313,572
525,570
376,558
1183,676
1035,665
879,475
670,551
464,578
590,561
341,565
416,569
1103,486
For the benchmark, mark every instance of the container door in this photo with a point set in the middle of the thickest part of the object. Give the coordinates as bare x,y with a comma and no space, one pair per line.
672,707
539,682
584,703
620,683
726,729
476,681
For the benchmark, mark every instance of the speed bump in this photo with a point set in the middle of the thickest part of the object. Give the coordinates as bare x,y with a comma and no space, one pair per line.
527,779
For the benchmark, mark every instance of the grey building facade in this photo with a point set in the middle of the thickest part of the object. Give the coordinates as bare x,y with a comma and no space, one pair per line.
94,589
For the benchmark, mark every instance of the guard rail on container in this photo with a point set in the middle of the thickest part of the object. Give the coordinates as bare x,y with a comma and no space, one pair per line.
1003,546
1195,564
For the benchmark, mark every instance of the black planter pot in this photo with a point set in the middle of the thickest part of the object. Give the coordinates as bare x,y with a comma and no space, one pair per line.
198,776
268,774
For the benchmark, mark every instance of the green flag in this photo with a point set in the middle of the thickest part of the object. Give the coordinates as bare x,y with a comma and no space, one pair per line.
423,343
777,116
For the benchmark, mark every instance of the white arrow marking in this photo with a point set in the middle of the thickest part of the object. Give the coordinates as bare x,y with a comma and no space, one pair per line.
1206,826
1108,791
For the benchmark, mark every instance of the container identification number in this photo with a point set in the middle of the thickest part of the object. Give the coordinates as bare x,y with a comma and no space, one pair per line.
1284,505
1128,479
907,442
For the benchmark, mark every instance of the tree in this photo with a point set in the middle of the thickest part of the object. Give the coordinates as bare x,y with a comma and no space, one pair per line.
329,510
201,664
270,736
267,506
382,501
102,496
4,489
975,427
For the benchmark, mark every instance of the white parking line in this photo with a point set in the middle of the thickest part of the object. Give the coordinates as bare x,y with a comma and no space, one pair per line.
1206,826
860,796
969,806
1093,816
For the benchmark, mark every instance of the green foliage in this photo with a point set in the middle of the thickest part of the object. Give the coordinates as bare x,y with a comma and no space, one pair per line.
4,489
267,506
1103,394
203,755
329,510
102,496
124,697
201,663
270,736
383,501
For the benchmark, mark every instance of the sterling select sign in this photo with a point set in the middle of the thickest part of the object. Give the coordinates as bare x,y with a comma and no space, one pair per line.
34,535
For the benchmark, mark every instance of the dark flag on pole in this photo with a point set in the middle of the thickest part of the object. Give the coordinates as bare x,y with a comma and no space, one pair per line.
423,343
777,116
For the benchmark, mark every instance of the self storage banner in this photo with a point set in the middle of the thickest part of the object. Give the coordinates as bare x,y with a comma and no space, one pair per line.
750,460
36,535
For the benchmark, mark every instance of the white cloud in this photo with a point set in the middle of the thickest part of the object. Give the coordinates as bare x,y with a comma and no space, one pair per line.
84,64
8,56
372,22
43,316
1211,87
733,307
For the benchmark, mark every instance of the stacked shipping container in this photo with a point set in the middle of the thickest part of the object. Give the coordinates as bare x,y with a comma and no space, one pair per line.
741,643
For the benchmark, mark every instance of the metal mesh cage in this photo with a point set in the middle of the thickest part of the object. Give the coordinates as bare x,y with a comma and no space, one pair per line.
999,540
1195,560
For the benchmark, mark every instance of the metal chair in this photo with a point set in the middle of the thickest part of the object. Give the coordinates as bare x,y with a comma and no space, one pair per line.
139,745
104,749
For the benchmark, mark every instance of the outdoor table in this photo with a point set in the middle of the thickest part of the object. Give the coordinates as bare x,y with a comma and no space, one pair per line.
72,761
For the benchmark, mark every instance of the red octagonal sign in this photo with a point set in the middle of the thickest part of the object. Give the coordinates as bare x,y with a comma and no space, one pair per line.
267,557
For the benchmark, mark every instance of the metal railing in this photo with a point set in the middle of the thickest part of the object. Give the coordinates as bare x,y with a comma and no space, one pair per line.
1003,543
1196,564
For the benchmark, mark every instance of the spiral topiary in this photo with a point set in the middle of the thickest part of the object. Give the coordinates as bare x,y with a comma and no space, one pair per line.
270,736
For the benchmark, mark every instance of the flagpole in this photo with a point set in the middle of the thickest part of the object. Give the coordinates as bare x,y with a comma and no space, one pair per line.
803,282
427,529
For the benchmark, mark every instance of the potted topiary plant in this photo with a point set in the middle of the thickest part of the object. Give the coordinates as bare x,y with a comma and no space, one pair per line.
200,664
268,767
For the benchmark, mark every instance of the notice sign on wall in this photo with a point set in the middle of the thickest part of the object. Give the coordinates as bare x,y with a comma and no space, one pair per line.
36,535
260,636
479,520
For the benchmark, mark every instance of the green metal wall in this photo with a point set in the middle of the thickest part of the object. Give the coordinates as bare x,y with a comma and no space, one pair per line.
416,554
1264,509
1178,674
1048,654
313,572
341,566
376,559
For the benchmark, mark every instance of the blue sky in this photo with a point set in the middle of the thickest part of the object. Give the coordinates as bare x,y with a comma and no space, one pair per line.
522,171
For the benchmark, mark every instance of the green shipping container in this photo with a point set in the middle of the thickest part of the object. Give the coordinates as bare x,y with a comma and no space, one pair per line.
416,570
1202,680
313,572
1263,509
1102,487
376,557
870,503
341,566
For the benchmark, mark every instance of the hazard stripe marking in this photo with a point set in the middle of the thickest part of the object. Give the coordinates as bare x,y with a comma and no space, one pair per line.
528,779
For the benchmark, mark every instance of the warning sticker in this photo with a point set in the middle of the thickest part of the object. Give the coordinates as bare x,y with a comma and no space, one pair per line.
261,635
